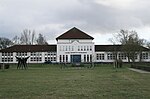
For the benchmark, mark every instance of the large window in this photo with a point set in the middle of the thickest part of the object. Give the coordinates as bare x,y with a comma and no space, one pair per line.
63,58
90,57
66,58
90,48
100,56
110,56
84,58
50,56
84,48
36,56
21,54
60,58
7,57
144,55
122,56
72,48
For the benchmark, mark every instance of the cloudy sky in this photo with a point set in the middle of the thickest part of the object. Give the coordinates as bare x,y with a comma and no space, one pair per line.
99,18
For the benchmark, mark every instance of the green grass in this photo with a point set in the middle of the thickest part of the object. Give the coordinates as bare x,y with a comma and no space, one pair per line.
52,82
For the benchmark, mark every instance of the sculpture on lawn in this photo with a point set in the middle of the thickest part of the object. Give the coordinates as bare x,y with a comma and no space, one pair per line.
22,62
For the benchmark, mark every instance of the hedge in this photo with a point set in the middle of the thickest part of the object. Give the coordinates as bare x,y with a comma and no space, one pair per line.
6,66
146,68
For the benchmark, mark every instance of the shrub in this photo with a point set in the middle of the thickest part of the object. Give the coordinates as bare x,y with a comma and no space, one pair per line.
147,68
6,66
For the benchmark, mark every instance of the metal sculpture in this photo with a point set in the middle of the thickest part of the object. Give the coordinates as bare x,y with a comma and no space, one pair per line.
22,62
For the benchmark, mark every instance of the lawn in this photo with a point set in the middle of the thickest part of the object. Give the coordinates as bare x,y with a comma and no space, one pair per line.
52,82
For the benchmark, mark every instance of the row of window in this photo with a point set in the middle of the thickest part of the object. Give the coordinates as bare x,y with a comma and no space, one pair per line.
84,48
8,59
88,58
111,56
7,54
36,53
36,59
63,58
50,53
21,53
32,54
71,48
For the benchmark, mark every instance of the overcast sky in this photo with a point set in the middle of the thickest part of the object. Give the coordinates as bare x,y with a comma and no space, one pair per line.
98,18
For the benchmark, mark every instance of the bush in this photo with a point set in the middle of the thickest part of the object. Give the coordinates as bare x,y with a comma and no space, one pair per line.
6,66
146,68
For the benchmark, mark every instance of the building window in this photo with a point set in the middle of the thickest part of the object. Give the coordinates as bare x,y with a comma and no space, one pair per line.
136,56
50,56
84,58
81,48
100,56
36,56
144,55
90,57
78,48
63,58
122,56
72,48
7,57
84,48
110,56
63,48
60,58
90,48
87,58
87,48
54,58
66,58
60,48
22,54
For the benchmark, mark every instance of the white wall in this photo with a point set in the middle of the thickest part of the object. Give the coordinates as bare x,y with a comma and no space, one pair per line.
70,47
124,60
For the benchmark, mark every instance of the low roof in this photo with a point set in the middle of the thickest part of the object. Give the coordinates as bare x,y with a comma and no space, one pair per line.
30,48
111,48
74,33
53,48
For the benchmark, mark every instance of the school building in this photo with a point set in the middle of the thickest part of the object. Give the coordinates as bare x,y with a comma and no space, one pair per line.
73,46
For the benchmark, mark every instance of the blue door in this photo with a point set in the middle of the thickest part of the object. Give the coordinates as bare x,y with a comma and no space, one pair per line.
75,58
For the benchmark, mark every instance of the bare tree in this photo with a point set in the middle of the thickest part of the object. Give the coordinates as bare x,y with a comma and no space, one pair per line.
27,37
131,43
16,40
41,40
33,37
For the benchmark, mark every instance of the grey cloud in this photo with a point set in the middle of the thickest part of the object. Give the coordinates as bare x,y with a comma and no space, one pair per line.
53,17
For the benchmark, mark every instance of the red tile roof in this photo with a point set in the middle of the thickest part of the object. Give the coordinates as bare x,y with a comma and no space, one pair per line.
74,33
31,48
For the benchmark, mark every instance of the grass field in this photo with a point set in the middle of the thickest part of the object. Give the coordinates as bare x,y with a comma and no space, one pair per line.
52,82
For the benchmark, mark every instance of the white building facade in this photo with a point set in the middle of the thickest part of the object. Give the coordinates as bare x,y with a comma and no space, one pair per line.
73,46
75,50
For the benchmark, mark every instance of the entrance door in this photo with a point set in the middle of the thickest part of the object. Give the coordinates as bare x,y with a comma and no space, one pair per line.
75,58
